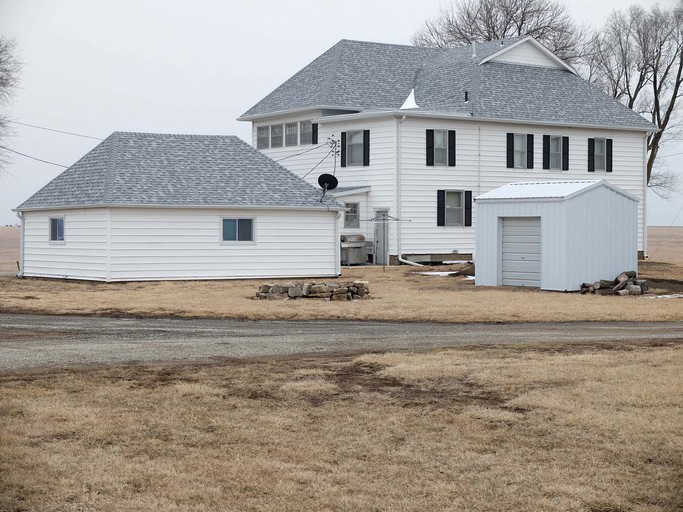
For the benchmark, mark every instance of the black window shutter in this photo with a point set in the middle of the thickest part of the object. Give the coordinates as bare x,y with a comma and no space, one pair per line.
451,148
343,149
430,148
440,207
366,148
565,153
591,155
546,151
468,207
511,150
314,133
530,151
608,155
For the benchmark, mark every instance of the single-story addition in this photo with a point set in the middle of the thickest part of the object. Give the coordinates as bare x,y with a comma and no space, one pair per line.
145,206
555,235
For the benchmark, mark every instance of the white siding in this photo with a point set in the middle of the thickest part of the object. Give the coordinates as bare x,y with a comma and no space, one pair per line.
153,244
481,166
380,175
82,255
527,53
485,173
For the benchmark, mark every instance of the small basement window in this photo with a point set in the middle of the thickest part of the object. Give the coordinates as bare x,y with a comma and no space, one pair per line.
238,230
57,229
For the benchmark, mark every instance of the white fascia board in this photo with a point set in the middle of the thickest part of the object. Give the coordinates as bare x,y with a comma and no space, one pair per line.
321,208
465,116
355,191
539,46
604,183
293,111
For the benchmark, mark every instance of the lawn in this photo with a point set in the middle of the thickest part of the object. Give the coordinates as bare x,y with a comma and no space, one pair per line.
574,427
399,293
591,427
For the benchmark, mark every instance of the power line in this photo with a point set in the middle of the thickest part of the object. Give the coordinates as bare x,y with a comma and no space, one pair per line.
54,130
33,157
302,153
316,165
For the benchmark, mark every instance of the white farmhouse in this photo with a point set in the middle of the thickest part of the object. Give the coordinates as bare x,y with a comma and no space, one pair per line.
144,206
413,134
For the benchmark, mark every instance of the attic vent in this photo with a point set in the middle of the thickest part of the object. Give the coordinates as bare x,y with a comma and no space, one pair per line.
410,101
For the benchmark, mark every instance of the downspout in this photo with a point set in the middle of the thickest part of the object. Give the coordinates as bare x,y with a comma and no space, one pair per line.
645,196
21,246
398,195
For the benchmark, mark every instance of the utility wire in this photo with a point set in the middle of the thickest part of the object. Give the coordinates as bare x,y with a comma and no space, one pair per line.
54,130
316,165
302,153
33,157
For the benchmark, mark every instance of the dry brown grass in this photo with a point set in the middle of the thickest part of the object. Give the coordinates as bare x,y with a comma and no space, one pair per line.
665,244
574,427
400,294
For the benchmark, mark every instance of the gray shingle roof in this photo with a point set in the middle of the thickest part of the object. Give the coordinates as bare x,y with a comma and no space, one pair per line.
371,76
149,169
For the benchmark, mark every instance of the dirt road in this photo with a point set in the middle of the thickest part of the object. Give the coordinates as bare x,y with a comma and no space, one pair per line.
28,341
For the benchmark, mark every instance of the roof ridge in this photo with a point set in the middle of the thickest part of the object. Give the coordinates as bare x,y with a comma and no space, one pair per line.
111,167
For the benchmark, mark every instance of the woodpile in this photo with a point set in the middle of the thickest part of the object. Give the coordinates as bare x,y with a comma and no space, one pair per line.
626,283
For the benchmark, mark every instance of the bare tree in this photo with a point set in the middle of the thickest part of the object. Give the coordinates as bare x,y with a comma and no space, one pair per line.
637,57
9,76
465,21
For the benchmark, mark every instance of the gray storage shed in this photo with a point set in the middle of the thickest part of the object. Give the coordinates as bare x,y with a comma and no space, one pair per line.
554,235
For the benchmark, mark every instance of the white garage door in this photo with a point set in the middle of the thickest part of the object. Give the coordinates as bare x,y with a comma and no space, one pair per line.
521,265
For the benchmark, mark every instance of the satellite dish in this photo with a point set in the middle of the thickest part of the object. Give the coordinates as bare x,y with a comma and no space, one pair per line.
327,182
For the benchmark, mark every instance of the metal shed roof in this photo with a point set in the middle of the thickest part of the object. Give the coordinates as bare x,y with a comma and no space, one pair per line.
558,190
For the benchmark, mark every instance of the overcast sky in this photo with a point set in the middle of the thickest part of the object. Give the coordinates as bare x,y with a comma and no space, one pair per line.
187,66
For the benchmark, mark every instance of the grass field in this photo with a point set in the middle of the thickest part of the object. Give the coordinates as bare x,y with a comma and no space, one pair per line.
590,427
400,294
573,427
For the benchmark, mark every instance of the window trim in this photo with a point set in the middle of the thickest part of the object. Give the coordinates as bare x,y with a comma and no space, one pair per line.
347,214
237,241
461,208
444,148
600,157
558,153
56,241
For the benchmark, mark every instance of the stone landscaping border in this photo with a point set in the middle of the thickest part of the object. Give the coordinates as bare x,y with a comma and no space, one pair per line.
355,290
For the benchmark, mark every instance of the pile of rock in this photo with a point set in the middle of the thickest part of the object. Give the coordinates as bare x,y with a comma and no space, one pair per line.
356,290
626,283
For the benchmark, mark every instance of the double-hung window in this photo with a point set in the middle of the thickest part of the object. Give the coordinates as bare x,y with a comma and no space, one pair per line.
57,229
520,150
237,229
351,215
556,152
453,207
263,137
305,132
355,148
291,134
599,154
276,136
440,146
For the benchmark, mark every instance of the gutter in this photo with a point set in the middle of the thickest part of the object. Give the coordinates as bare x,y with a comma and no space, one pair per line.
181,207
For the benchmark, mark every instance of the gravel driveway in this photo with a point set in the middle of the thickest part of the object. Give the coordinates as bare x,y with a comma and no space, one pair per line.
28,341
